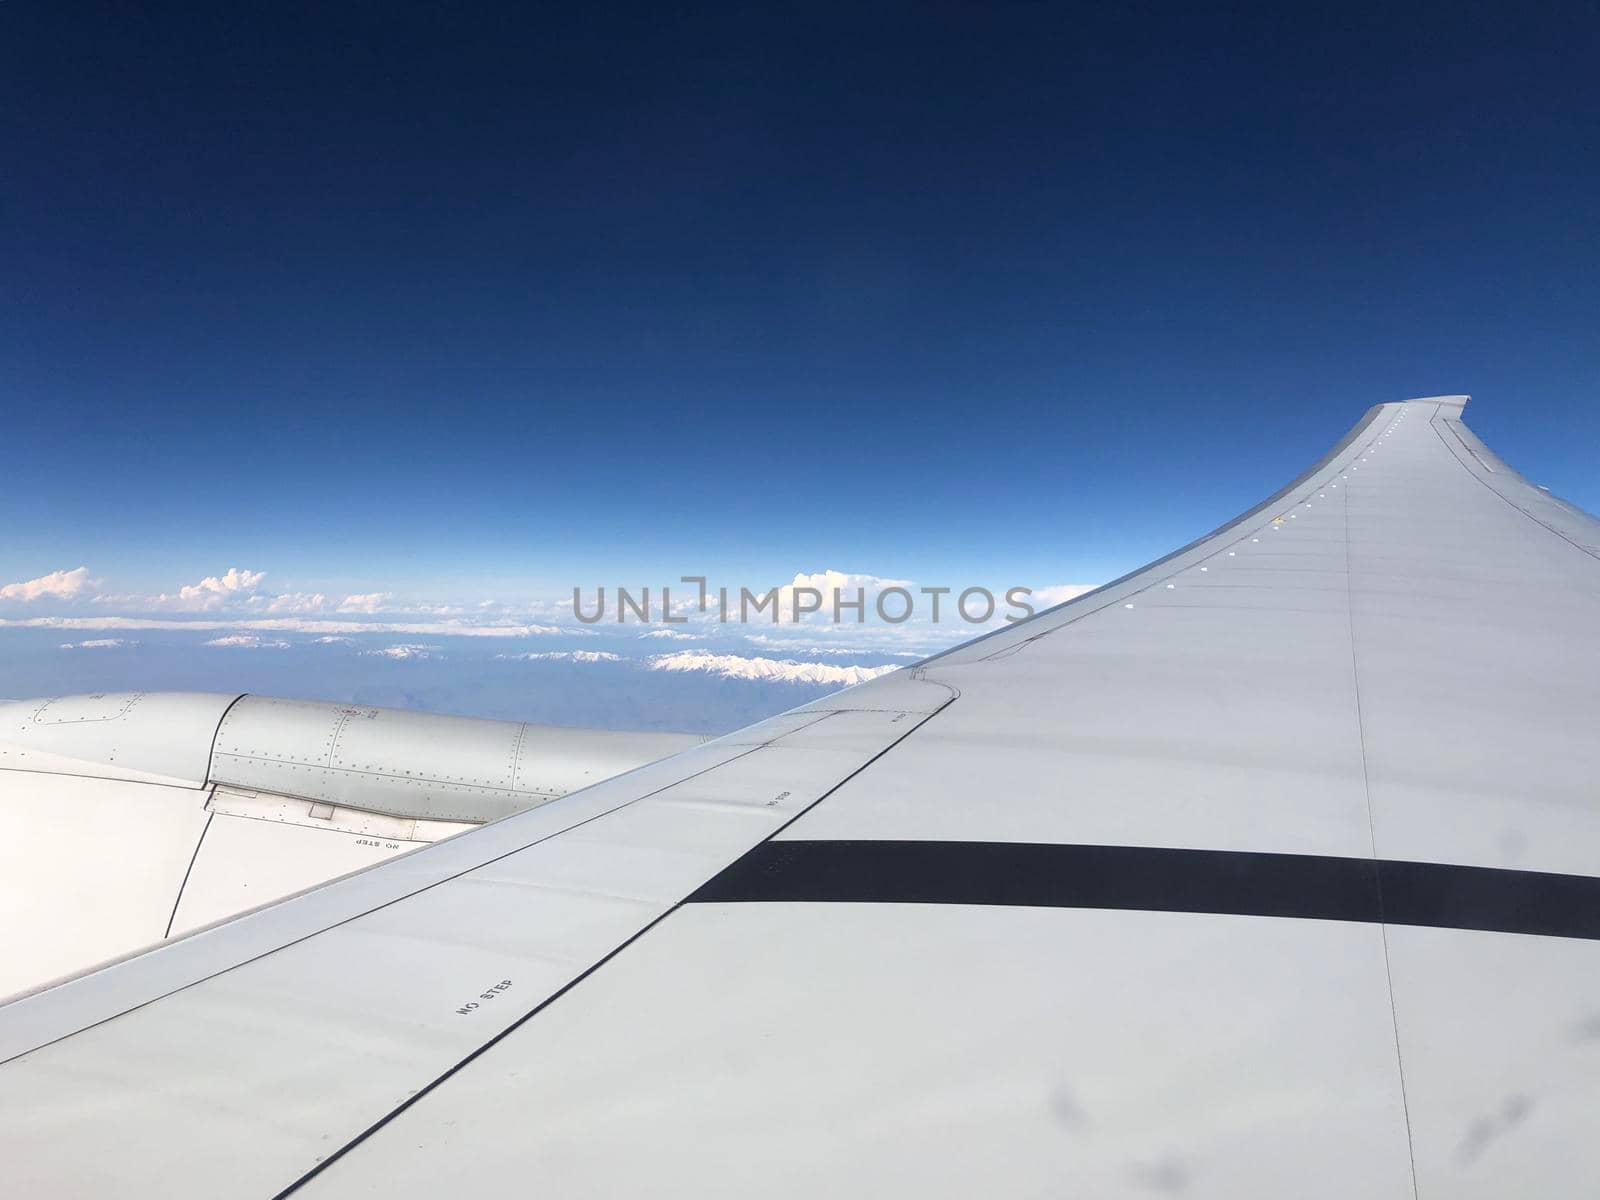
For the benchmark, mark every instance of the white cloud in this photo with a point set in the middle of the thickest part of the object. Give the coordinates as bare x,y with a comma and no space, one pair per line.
214,591
366,602
331,640
408,651
240,590
582,656
734,666
247,641
239,594
290,602
846,583
98,644
294,625
58,585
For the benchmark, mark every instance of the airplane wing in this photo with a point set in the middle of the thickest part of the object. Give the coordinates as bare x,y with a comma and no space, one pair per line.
1272,869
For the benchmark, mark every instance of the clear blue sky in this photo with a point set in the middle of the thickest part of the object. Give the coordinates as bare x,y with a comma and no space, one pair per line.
465,298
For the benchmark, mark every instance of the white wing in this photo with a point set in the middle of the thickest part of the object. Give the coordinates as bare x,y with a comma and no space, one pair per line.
1272,869
137,816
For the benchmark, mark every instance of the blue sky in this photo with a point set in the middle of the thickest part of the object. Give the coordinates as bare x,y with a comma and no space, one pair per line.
477,304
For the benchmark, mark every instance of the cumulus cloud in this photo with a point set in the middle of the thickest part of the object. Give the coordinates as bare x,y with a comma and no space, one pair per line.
98,644
366,602
826,582
290,602
214,591
670,635
247,641
58,585
734,666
